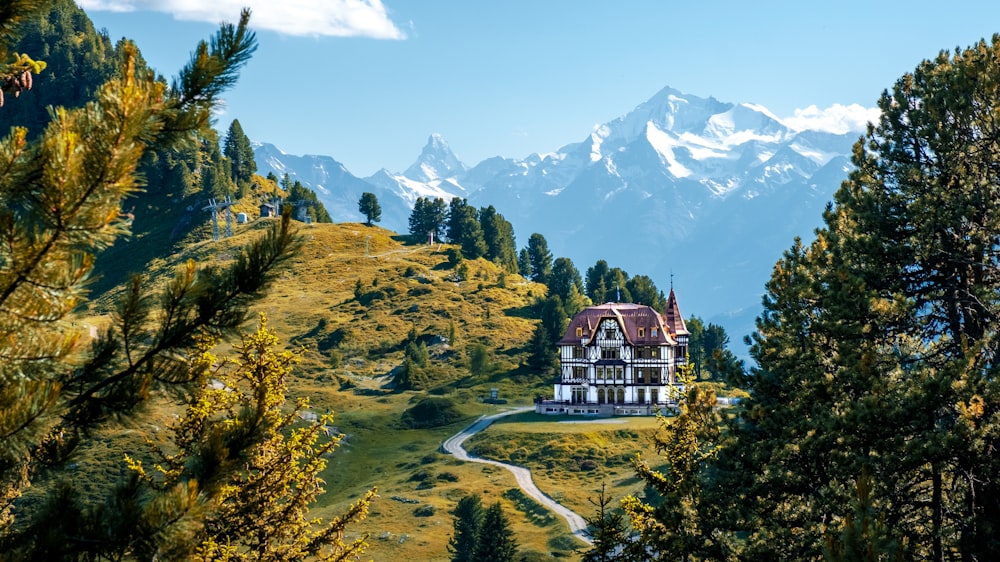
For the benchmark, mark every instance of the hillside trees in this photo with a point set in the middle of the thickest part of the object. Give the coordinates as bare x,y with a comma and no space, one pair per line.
877,345
498,234
708,351
428,218
61,202
302,197
465,230
369,207
77,61
239,444
481,535
468,519
239,151
540,258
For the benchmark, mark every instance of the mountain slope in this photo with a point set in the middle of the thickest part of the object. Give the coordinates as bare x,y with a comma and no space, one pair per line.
710,191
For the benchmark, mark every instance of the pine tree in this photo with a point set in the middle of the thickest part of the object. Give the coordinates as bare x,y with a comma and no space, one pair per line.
369,207
608,531
597,282
682,525
540,258
876,347
466,526
498,234
61,199
564,278
239,151
238,444
496,541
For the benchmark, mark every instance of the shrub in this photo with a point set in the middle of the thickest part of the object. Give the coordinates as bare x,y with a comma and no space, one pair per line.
430,412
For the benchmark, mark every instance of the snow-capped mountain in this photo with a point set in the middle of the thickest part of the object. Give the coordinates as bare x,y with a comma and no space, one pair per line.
710,191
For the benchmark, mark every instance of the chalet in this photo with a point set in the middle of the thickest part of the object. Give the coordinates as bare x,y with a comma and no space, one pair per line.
619,359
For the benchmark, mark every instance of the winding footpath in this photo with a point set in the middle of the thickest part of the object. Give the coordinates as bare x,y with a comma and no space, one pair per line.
522,475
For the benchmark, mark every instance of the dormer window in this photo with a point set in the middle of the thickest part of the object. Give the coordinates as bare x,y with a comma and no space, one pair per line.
642,332
652,332
579,331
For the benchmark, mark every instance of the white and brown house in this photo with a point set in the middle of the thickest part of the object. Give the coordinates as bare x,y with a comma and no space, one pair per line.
619,359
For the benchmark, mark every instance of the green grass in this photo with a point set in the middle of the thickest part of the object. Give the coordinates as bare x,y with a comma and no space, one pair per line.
349,348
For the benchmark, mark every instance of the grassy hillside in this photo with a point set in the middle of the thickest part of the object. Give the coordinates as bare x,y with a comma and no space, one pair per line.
350,301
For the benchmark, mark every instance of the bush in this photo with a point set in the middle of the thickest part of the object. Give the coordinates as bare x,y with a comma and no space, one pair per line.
430,412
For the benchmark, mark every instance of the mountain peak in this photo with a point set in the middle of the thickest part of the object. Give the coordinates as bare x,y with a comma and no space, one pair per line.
436,161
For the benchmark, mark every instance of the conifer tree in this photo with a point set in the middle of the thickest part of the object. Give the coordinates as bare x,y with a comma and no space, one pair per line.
61,198
369,207
876,350
496,541
238,444
466,526
239,151
564,278
682,525
540,258
608,531
498,234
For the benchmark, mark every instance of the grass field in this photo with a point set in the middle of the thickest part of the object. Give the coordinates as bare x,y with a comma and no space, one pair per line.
350,346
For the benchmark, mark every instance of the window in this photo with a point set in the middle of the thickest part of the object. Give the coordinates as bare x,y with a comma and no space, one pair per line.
642,332
579,373
652,352
640,375
578,352
609,353
652,331
609,333
579,331
600,373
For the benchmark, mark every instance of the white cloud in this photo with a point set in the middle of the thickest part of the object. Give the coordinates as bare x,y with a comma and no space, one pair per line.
838,119
337,18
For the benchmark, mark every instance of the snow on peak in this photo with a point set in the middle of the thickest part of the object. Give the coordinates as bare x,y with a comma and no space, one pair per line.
436,161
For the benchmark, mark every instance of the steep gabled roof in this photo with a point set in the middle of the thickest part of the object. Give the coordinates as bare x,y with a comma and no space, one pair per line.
672,316
629,317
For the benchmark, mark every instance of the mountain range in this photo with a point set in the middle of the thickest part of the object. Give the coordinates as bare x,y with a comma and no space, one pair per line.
694,192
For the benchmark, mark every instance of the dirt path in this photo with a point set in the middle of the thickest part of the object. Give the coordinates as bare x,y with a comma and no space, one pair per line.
522,475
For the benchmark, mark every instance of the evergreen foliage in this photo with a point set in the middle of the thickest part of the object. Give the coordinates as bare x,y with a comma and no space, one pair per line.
428,216
464,229
498,234
682,525
708,351
608,530
303,197
239,445
62,199
369,207
540,258
564,278
496,541
890,315
465,535
239,151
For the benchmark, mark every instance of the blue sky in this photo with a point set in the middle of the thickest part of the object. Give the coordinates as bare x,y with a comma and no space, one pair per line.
367,82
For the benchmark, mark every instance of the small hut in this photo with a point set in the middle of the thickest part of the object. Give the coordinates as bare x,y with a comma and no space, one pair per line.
267,210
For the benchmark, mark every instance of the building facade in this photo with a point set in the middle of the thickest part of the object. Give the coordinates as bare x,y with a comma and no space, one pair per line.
619,359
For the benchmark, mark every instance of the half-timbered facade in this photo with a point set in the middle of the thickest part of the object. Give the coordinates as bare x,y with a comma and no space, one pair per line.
619,359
